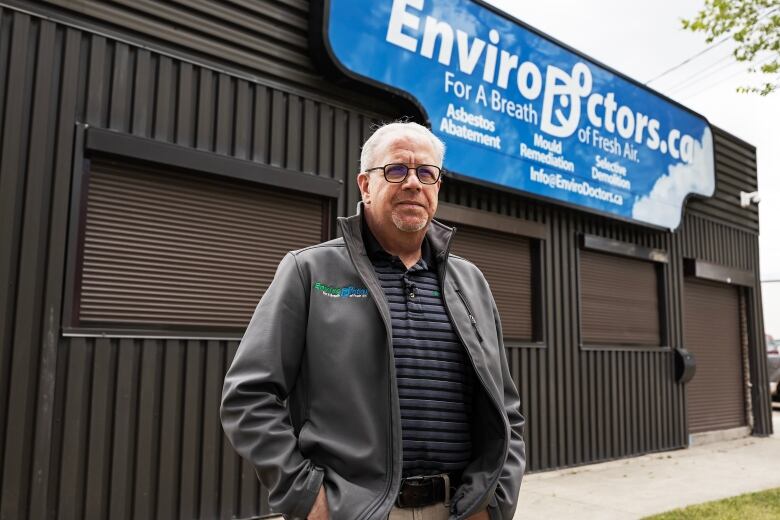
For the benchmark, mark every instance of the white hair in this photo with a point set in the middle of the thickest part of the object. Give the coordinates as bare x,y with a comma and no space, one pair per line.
373,143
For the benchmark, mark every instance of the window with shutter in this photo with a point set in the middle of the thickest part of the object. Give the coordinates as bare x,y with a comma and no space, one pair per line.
169,250
619,300
507,261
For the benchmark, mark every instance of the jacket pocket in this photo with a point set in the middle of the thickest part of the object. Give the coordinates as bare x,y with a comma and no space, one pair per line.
468,311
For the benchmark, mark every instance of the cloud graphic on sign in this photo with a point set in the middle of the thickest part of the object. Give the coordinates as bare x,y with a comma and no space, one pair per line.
663,205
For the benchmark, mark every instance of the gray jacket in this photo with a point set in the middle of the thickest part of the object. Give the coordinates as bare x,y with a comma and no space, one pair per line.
311,398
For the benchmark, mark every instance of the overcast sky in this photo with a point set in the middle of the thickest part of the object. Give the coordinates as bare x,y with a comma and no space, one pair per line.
642,39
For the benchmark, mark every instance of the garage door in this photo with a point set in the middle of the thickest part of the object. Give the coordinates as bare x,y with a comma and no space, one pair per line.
716,397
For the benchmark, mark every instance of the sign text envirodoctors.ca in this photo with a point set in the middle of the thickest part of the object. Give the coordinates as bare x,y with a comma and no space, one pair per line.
519,110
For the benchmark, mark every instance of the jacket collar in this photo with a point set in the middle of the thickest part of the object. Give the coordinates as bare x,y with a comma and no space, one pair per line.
438,235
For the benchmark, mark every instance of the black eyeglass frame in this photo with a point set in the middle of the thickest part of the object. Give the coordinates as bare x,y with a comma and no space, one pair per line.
408,169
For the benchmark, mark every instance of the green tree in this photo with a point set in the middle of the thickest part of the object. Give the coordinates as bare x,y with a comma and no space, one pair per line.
755,27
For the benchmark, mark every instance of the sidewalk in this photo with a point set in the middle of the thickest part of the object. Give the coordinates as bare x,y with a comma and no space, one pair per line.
641,486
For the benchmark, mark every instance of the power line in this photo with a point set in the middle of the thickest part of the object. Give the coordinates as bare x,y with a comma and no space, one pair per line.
688,60
741,71
705,50
713,85
697,76
695,81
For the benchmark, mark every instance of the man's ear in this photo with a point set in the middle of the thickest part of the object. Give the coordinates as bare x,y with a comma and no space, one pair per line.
362,182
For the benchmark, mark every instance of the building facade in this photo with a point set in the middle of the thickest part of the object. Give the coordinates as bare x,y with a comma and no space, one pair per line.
158,159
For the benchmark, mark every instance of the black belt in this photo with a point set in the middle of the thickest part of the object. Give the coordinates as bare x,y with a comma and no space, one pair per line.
425,490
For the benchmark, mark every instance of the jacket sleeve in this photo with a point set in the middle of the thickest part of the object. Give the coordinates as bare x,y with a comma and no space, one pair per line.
504,502
262,375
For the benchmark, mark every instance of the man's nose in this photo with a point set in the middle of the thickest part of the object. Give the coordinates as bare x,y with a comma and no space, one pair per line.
412,182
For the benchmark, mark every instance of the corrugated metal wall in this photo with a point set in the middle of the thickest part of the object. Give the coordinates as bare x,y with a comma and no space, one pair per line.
735,162
121,428
587,405
136,434
269,38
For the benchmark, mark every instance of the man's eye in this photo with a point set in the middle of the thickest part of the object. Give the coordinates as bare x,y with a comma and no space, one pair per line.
396,170
426,173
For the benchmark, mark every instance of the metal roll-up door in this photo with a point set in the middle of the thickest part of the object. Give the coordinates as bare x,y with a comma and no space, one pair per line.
506,262
172,250
618,300
716,398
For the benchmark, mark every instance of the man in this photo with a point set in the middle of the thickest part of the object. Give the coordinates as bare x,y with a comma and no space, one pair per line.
372,382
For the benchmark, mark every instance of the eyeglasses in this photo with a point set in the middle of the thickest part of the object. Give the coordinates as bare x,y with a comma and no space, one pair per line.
397,172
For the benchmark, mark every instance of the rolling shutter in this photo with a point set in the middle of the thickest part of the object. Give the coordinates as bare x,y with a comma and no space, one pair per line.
505,260
618,300
171,250
716,398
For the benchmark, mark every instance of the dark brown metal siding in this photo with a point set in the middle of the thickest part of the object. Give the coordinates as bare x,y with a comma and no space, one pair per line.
78,441
735,169
619,299
583,406
140,434
174,250
267,39
81,418
505,260
716,397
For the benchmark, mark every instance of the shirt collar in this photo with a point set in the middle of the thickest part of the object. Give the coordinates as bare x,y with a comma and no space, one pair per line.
376,252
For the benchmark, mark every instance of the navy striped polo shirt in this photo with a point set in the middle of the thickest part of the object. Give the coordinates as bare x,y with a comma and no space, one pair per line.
433,374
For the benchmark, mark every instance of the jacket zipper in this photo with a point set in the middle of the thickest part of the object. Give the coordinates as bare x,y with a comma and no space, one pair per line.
372,508
494,482
368,512
471,314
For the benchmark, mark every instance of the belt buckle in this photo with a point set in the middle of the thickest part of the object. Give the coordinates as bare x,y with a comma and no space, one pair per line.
420,480
401,499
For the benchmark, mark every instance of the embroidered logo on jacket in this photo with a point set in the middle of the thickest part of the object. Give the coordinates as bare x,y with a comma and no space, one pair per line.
341,292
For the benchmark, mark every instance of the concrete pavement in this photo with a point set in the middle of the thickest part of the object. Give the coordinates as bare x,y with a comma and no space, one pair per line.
642,486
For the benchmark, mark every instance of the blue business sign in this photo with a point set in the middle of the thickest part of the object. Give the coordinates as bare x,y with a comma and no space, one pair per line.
520,110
